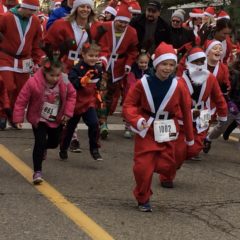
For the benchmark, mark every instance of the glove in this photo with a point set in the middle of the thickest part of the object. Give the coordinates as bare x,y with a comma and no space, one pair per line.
87,77
232,107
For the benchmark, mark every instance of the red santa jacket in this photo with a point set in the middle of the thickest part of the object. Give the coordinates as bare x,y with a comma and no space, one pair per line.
117,55
222,74
210,90
139,104
16,48
68,35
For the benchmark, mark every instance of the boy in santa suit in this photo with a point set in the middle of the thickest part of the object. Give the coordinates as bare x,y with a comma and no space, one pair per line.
214,51
118,53
202,85
19,45
151,107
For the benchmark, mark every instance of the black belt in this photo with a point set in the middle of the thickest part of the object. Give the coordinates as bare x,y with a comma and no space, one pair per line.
117,56
161,116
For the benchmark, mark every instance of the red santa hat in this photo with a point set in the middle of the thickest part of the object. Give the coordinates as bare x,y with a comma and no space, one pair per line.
209,44
164,52
195,53
30,4
134,7
123,14
77,3
196,13
57,2
209,11
223,14
111,10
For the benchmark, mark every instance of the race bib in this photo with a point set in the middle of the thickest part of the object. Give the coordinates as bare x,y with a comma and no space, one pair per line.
164,130
202,122
73,55
27,65
49,111
205,117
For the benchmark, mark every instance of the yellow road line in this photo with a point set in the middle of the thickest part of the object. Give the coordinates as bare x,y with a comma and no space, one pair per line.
68,208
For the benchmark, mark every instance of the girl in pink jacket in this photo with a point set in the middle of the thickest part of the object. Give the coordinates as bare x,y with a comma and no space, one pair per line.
50,101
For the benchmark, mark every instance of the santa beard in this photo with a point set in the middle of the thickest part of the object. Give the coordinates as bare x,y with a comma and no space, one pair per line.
198,73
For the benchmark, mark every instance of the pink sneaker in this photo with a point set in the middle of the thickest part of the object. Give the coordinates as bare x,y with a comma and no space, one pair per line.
37,177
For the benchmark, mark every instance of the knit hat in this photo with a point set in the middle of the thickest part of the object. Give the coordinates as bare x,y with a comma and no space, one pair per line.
78,3
195,53
209,44
123,13
134,7
209,11
164,52
196,13
30,4
223,14
111,10
154,3
179,14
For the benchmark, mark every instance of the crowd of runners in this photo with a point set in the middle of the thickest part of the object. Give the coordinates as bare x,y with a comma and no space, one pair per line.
173,78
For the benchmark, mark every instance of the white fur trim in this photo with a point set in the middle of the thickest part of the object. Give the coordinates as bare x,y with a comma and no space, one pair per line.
227,17
163,57
122,18
211,45
196,15
132,10
196,56
208,14
111,10
104,59
29,6
78,3
139,123
190,143
222,119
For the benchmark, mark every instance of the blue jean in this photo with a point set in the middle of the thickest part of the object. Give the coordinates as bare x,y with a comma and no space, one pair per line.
91,120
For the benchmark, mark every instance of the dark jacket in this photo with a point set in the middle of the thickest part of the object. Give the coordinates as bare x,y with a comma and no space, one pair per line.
181,36
162,33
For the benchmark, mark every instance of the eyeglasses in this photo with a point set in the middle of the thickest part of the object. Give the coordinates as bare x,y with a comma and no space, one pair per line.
175,21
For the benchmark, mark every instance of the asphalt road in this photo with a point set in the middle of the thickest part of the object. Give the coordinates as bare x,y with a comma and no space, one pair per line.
204,205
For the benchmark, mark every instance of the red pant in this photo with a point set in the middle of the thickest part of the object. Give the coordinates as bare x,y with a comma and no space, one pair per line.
13,82
145,164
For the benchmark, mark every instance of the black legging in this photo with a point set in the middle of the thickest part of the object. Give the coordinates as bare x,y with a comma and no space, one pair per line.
45,137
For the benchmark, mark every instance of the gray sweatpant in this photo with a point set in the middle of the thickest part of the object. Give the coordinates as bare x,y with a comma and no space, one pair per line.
221,127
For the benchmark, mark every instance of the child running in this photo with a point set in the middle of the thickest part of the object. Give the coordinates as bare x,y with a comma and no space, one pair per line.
50,100
85,77
138,69
151,107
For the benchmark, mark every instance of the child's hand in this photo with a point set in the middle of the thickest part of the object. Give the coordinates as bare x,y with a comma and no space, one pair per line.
19,125
64,120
